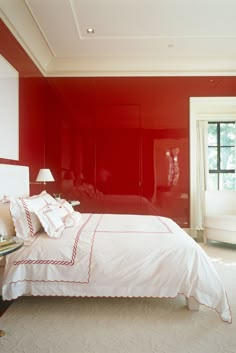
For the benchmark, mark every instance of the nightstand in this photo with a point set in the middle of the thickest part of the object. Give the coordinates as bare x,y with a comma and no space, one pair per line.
9,244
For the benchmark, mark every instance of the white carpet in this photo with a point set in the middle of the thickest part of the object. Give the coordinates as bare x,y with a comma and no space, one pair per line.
115,325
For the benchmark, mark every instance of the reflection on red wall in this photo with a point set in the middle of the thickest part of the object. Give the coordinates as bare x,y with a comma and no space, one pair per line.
125,141
118,144
127,170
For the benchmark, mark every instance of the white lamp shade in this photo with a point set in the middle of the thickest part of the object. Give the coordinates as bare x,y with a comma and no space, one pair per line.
44,175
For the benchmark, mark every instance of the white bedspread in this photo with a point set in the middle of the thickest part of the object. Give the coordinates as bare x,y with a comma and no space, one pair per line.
116,255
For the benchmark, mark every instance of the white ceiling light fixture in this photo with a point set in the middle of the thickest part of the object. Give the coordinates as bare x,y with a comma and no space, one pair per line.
90,30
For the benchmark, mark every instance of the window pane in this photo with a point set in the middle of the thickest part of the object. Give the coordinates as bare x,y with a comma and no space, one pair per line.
221,155
212,182
227,134
212,134
227,181
227,158
212,158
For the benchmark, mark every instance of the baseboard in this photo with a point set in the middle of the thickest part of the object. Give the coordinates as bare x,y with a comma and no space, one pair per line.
191,231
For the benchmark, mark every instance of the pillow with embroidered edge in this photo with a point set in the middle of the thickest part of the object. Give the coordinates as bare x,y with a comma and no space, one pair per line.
72,219
51,217
66,205
26,222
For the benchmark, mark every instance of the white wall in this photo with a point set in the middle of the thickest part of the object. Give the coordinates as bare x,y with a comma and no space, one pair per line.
9,111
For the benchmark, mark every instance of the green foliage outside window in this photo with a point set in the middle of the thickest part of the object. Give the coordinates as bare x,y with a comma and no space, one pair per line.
221,155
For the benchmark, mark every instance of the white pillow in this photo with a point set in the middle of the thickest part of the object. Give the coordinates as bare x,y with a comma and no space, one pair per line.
51,217
25,221
66,205
36,202
49,199
72,219
6,222
23,211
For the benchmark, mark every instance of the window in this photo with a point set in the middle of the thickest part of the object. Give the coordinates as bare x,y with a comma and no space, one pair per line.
206,109
221,155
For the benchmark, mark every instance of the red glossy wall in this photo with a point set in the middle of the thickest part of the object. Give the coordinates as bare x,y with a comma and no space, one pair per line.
125,141
118,144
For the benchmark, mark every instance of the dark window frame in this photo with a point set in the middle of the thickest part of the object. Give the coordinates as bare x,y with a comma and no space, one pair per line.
218,146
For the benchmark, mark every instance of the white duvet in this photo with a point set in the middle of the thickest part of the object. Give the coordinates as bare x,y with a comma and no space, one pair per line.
116,255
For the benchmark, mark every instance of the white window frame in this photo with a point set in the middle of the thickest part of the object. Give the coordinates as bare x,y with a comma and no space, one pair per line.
209,109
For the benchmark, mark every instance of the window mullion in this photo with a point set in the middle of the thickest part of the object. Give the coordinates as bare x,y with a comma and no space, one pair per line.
222,141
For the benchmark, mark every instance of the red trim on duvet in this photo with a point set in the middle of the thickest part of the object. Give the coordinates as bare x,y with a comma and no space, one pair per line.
167,231
58,262
74,252
71,262
64,263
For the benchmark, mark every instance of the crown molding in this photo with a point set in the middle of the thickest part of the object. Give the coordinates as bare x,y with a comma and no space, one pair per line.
23,26
27,34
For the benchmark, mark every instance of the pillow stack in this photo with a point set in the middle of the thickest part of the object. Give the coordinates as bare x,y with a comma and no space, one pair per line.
25,217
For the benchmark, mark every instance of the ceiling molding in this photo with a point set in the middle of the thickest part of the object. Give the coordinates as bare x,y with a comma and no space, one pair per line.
27,33
129,56
120,66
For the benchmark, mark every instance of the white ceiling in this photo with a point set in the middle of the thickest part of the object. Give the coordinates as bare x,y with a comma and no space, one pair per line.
131,38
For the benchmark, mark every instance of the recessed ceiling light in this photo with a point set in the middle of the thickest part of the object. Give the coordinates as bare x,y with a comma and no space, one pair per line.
90,30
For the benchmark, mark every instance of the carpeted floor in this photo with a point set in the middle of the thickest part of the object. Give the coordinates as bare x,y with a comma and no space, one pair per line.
122,325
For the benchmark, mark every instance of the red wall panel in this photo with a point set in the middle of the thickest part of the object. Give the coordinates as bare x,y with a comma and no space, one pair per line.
119,144
127,141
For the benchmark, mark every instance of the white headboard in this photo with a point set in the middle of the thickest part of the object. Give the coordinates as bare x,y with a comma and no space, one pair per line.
14,180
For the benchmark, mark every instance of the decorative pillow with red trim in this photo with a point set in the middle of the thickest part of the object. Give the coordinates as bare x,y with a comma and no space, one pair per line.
26,222
72,219
51,216
66,205
49,199
23,211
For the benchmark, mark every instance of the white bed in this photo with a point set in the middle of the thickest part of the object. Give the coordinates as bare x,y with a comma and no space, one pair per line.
116,255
